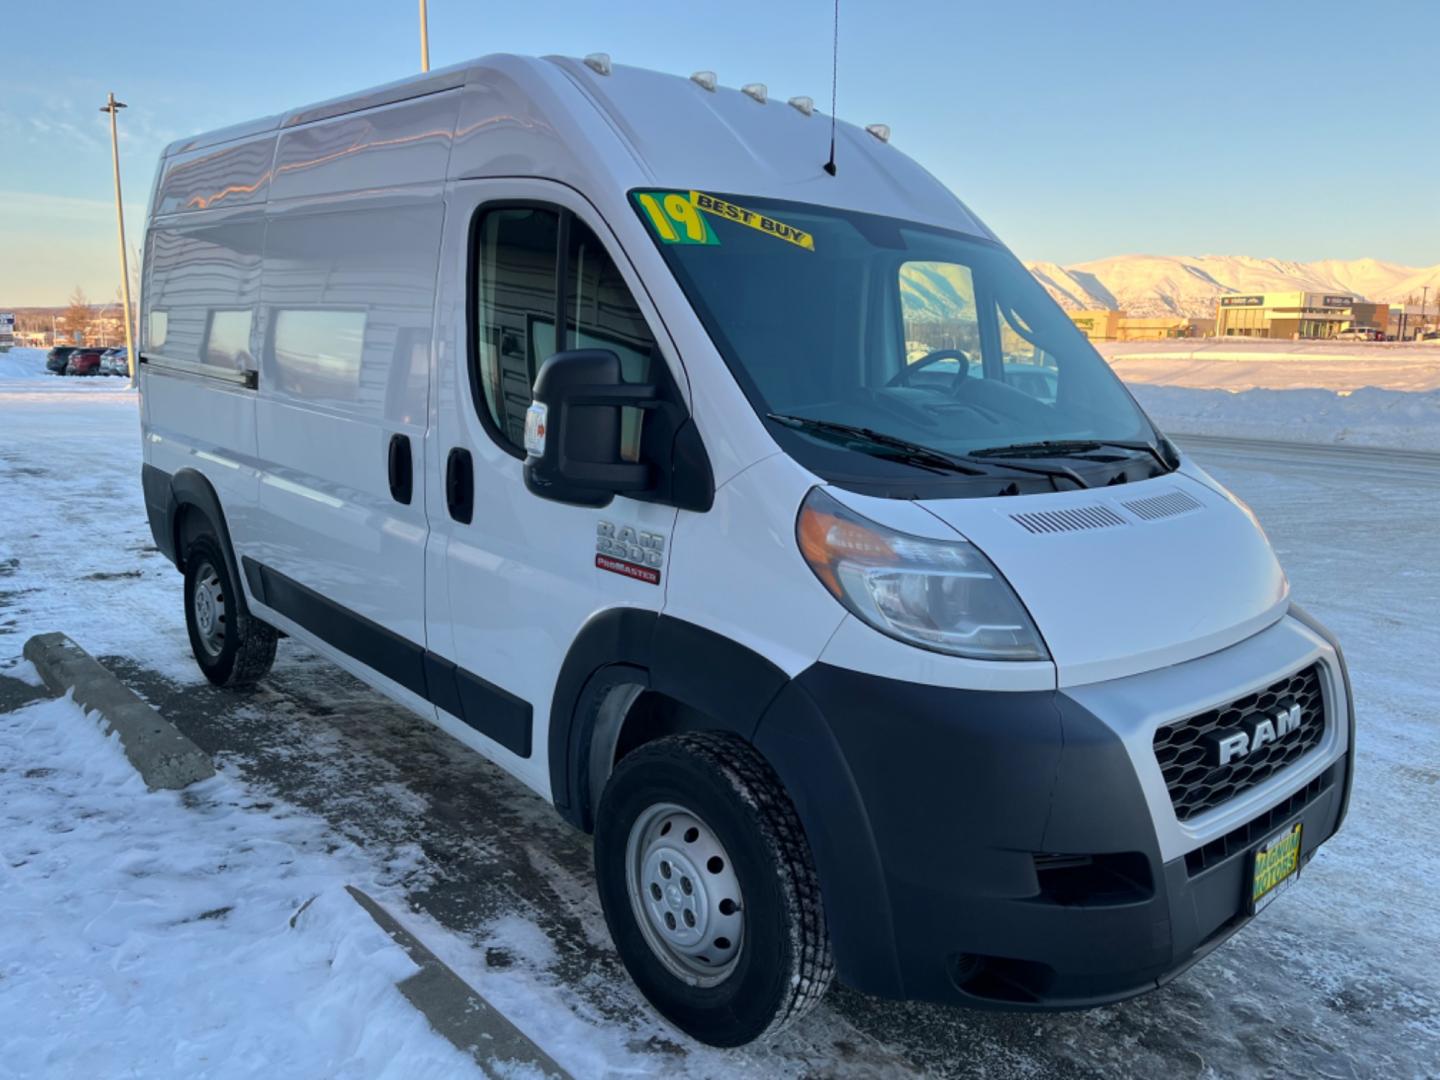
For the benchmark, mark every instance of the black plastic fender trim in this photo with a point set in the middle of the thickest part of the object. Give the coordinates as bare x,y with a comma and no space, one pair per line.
166,495
731,684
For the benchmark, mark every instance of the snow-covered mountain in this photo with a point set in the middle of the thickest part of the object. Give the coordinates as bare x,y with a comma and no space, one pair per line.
1151,285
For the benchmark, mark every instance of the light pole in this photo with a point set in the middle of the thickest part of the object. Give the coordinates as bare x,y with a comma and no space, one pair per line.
1424,297
113,107
424,38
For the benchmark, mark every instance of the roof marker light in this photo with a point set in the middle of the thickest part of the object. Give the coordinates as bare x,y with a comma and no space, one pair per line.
880,131
805,104
757,91
598,62
704,79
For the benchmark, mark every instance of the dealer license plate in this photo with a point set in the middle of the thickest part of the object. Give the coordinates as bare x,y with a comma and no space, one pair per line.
1277,864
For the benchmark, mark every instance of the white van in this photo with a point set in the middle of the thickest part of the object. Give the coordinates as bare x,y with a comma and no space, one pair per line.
770,520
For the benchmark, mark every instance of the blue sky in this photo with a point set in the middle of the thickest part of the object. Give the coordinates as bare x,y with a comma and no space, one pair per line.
1077,130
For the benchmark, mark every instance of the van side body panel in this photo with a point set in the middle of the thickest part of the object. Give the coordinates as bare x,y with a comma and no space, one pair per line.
201,269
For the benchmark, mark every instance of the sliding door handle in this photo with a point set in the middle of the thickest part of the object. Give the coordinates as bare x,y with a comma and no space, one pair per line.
401,469
460,485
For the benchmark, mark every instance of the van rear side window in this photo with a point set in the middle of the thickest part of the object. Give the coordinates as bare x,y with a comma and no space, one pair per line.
317,352
529,264
227,339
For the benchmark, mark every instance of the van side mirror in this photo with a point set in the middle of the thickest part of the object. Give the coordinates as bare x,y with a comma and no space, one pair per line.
573,429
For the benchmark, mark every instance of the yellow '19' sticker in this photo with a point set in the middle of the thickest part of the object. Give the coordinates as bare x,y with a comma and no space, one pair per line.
677,219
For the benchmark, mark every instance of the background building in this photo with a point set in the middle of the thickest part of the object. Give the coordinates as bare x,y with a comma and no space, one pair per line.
1296,314
1102,325
1408,320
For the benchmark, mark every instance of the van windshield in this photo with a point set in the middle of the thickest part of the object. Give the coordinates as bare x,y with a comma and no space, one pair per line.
937,339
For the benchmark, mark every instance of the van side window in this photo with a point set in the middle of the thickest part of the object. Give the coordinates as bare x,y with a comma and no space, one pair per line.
516,253
530,263
227,339
318,351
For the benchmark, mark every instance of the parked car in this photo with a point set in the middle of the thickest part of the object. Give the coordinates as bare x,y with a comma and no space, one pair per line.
1360,333
57,358
115,361
84,361
1428,335
628,485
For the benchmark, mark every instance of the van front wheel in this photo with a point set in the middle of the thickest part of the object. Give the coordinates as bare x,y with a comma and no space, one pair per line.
709,890
232,647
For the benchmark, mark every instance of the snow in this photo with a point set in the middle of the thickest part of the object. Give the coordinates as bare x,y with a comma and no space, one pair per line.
1360,394
1366,417
164,934
1243,363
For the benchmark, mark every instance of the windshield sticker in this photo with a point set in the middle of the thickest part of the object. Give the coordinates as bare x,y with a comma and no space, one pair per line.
753,219
675,219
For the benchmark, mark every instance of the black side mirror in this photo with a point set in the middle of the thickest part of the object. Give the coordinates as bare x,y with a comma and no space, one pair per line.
573,430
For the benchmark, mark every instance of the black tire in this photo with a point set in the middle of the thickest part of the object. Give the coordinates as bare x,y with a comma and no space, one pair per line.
783,964
235,648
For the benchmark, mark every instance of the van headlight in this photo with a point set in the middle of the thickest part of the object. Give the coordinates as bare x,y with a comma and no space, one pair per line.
943,595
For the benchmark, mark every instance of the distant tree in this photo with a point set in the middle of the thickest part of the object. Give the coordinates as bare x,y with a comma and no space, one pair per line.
78,314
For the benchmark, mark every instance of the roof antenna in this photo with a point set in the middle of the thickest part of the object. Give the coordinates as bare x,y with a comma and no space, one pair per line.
834,69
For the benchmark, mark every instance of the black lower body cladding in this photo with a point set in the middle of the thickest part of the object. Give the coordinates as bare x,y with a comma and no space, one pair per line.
995,849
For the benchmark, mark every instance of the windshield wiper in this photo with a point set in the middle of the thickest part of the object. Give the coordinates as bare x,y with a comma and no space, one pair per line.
899,449
1071,448
914,453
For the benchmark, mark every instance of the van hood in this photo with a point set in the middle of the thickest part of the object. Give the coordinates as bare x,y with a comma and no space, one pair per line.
1127,579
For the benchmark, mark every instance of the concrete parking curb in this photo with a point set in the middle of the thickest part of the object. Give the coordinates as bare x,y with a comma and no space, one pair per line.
162,756
456,1011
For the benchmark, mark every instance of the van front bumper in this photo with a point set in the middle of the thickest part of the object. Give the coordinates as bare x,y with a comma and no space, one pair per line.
1020,850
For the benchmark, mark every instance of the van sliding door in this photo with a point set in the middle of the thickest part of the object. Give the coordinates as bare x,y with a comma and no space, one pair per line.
347,298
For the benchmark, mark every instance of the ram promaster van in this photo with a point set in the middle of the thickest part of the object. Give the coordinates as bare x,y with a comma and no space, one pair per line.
754,506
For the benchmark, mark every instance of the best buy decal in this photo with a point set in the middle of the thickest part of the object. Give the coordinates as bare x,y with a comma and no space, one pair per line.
755,220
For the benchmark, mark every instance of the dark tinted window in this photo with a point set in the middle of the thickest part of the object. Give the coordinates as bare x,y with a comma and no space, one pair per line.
515,313
518,268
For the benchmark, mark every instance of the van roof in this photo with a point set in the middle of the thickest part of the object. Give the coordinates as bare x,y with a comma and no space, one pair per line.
558,116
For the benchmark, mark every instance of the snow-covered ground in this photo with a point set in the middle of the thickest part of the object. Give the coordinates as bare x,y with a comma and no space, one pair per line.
157,934
1359,393
1338,978
1251,363
1366,417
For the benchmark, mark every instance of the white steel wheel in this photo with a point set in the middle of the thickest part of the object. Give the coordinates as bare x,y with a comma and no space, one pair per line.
208,601
709,889
232,647
684,894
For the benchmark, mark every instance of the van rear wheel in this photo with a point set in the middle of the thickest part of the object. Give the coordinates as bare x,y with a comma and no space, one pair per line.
232,647
709,889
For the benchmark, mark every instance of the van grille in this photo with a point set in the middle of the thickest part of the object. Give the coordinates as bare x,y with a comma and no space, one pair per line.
1184,748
